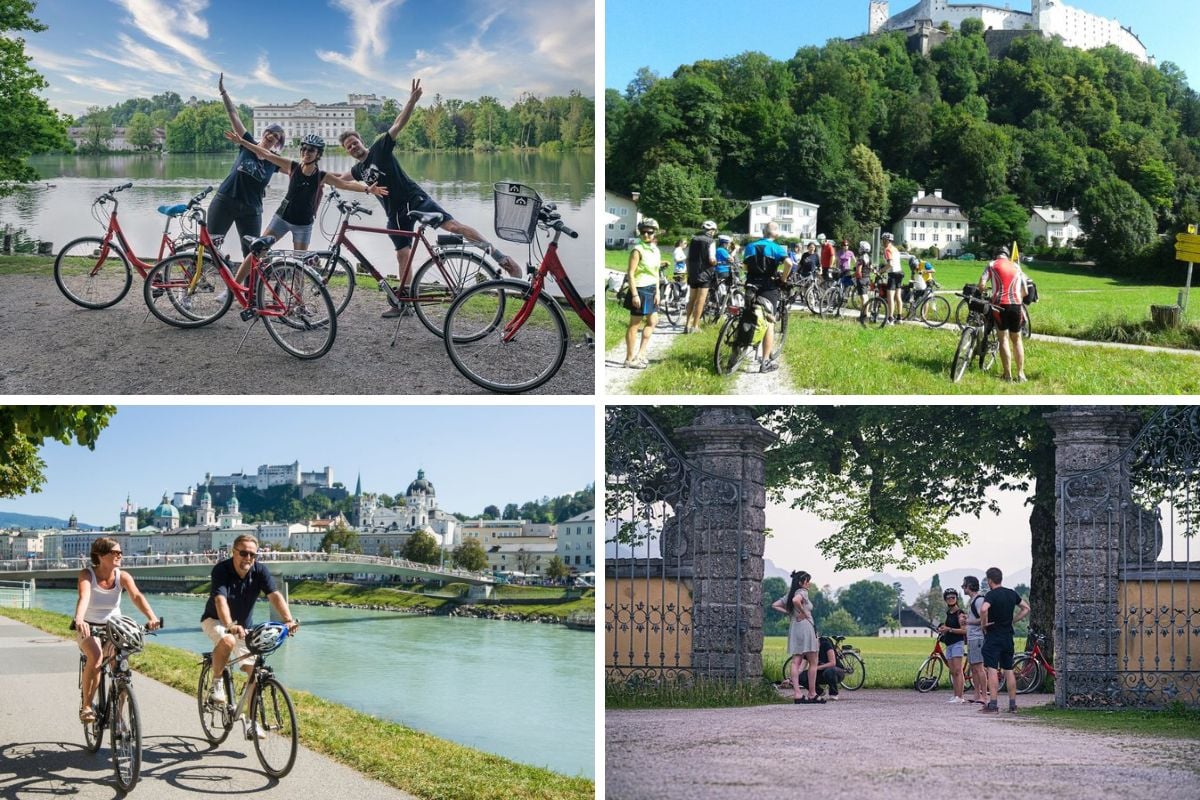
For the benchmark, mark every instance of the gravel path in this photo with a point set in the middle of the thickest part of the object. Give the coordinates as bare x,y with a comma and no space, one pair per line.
52,346
617,377
880,745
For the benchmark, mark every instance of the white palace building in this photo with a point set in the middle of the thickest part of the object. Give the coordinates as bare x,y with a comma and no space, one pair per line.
1076,28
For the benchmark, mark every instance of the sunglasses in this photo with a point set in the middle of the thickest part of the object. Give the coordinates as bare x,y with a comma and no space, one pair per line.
116,553
250,554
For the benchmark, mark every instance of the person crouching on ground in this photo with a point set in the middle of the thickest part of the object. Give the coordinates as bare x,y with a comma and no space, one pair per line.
829,672
643,284
802,635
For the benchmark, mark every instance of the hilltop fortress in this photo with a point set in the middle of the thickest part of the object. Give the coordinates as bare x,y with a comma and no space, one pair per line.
1076,28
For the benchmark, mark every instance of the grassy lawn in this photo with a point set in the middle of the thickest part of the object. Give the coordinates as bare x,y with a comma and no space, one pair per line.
27,265
444,598
397,755
892,663
1177,721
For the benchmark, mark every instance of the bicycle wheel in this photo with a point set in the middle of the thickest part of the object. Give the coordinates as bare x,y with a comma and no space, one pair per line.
337,276
1027,672
275,740
962,314
727,355
215,720
781,324
175,298
93,732
856,671
989,349
296,310
929,675
1026,324
671,306
92,274
713,306
126,738
934,311
963,355
503,339
876,312
787,669
435,287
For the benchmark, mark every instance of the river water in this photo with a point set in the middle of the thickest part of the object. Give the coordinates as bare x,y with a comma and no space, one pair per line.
60,209
521,690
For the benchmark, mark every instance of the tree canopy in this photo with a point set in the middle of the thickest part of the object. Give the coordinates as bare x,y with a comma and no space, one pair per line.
23,431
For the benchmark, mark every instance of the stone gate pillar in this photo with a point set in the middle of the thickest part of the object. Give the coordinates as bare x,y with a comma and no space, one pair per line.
1089,510
728,538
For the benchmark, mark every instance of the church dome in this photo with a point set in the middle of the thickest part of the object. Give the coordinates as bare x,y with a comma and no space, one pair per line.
165,509
420,485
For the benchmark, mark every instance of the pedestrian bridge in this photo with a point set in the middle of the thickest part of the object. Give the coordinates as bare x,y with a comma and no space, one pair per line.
281,564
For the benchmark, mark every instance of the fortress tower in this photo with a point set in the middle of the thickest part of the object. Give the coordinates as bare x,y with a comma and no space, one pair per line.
877,16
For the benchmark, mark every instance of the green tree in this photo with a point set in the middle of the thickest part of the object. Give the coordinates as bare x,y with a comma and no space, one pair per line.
491,512
557,570
470,556
774,623
28,125
1001,221
423,548
346,540
931,606
1118,222
24,429
140,131
671,193
97,131
869,603
871,207
840,623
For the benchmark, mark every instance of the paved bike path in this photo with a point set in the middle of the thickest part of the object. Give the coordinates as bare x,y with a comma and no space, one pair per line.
42,752
882,745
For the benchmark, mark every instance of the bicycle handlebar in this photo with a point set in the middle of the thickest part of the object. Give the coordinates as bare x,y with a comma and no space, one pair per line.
162,623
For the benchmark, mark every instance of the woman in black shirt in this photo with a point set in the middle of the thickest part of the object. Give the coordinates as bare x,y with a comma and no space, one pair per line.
954,637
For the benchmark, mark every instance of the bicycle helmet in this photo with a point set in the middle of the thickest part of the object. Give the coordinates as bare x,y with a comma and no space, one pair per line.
820,237
124,633
648,223
312,140
887,237
709,225
265,637
1001,251
864,248
724,237
950,592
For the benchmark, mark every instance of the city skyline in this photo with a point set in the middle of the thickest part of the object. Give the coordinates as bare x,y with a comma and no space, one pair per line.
319,49
443,441
1164,27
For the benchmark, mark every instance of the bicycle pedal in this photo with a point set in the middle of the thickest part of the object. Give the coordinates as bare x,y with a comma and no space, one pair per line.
247,314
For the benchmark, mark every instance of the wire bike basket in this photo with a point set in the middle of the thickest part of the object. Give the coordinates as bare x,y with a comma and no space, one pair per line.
517,207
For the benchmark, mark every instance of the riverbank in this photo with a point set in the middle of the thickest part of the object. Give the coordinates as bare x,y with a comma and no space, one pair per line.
394,754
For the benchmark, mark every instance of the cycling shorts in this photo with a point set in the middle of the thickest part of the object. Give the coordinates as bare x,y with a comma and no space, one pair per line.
894,279
864,287
998,652
1008,318
700,278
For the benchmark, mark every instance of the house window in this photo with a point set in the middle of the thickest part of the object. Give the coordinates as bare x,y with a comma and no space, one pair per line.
786,227
935,237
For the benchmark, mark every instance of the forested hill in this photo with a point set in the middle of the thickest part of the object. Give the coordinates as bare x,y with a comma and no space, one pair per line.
859,127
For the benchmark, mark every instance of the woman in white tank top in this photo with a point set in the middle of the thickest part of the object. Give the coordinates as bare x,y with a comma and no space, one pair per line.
100,588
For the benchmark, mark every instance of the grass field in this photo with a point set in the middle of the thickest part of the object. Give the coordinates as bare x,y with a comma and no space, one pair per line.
892,663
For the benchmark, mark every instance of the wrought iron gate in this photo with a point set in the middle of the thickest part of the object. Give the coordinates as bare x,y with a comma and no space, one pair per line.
662,514
1128,594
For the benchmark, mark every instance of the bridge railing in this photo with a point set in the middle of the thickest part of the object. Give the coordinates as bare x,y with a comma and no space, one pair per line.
273,556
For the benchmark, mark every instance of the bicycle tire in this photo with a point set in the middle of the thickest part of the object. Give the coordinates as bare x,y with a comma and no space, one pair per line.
781,324
73,272
671,304
876,312
271,711
1026,324
337,276
727,356
93,732
126,738
481,349
929,675
1027,672
713,306
296,309
463,269
963,354
831,305
962,314
215,722
988,349
173,298
934,311
856,671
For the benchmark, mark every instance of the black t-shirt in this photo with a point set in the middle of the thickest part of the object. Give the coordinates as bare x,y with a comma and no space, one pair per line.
825,651
953,621
247,181
240,593
698,252
400,187
1002,602
299,206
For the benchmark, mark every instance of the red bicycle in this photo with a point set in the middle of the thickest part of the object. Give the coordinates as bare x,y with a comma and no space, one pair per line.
930,673
94,271
507,335
184,291
1031,667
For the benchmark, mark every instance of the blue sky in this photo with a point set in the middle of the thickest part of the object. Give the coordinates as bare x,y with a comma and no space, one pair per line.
474,455
100,52
666,34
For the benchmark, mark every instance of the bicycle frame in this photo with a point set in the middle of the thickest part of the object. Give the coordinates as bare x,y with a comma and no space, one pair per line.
166,245
1037,655
553,267
244,295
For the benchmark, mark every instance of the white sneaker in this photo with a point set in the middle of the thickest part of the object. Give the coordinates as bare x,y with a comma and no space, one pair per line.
221,295
217,696
832,698
953,700
255,732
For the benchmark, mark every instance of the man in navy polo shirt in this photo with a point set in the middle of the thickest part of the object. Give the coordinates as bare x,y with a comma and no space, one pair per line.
236,584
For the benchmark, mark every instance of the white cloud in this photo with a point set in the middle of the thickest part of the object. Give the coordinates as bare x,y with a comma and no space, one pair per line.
368,25
137,55
50,60
176,25
96,82
262,74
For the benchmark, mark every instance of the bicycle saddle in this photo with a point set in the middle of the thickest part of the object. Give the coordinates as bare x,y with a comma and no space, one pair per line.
259,245
173,211
427,218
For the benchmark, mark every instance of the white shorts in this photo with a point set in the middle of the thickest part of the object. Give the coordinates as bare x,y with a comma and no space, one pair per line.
215,630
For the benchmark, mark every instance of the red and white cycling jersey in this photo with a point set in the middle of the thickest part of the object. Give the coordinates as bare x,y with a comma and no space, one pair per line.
1007,281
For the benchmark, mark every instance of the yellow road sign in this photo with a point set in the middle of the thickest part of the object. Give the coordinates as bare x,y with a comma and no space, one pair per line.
1187,239
1188,252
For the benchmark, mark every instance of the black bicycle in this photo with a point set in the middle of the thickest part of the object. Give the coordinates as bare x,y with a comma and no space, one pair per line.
116,707
978,340
850,663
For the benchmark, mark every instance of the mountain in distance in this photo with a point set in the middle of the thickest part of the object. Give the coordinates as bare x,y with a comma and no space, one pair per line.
11,520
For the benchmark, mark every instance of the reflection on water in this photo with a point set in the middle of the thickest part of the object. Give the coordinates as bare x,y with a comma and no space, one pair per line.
460,182
521,690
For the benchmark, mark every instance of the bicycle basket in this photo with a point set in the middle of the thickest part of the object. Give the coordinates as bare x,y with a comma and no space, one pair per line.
517,207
